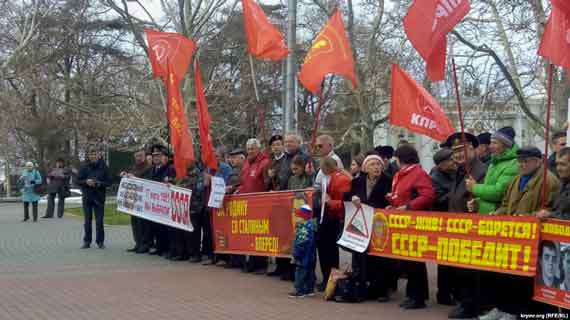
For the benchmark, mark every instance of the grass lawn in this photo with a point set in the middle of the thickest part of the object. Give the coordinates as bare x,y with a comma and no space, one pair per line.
112,216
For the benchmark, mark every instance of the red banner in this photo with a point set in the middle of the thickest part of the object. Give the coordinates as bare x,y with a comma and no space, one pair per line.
552,281
503,244
258,223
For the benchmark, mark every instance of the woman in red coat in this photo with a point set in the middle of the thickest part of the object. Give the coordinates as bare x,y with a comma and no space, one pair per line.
412,190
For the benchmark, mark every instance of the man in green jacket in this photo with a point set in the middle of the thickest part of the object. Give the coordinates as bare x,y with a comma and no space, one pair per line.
502,170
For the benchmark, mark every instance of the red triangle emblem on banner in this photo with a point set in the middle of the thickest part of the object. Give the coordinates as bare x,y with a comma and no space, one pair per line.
358,227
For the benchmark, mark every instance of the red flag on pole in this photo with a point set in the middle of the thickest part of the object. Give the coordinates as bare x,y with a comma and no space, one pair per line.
330,54
180,137
264,41
413,108
169,47
555,42
206,145
427,24
563,5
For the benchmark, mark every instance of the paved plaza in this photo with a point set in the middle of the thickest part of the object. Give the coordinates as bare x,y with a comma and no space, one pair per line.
44,275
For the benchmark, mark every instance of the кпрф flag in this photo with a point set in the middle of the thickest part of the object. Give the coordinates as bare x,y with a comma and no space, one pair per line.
413,108
264,41
330,54
427,24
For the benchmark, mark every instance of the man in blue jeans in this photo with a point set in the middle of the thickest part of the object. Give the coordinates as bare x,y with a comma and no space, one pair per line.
94,178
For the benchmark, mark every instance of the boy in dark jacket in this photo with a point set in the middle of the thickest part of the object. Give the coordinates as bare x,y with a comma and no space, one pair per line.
304,253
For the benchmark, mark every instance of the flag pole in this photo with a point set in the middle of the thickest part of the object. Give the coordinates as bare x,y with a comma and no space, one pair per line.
546,135
460,115
253,77
257,99
317,121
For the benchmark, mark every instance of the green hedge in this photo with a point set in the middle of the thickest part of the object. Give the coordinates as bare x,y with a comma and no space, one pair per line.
112,216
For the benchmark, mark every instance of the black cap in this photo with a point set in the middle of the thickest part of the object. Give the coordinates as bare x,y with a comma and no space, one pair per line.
484,138
385,151
236,152
529,152
158,149
442,155
274,138
454,141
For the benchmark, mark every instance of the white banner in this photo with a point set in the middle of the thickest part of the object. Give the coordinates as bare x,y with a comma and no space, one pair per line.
217,193
156,202
357,228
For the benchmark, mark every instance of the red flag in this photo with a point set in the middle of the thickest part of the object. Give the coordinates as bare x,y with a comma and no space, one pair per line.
555,42
330,53
169,47
264,41
563,5
206,145
180,137
413,108
427,24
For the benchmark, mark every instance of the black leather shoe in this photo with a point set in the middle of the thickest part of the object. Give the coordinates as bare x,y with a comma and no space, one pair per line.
415,304
274,273
25,219
47,217
195,259
286,276
86,246
461,312
446,300
142,250
406,302
135,249
179,258
101,246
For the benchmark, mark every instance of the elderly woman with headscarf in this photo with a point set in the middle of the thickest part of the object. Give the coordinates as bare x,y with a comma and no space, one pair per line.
29,179
371,188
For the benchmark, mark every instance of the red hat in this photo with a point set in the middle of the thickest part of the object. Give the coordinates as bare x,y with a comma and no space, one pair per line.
304,212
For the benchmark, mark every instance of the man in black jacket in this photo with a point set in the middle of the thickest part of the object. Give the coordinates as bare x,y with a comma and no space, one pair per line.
94,178
138,225
159,172
442,179
466,290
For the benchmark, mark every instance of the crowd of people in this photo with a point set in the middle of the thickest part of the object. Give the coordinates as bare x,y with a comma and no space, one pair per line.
486,174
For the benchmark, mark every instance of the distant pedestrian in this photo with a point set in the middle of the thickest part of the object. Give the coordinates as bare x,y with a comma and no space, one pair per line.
29,180
57,185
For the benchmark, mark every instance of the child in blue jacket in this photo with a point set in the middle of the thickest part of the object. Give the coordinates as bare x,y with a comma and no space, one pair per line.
304,253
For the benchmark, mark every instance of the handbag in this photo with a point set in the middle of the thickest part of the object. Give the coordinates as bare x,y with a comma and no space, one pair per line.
334,277
66,191
350,290
40,189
